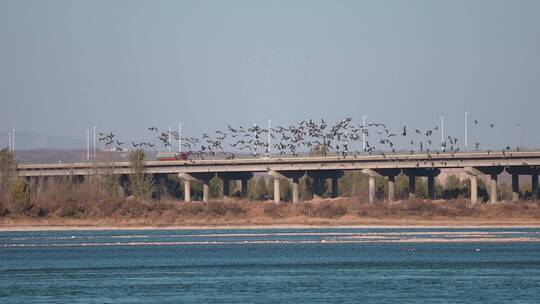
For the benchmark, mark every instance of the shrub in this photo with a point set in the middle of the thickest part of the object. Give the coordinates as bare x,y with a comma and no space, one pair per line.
20,196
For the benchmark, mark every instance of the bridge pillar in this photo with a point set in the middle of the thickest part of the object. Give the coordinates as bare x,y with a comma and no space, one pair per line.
371,189
244,189
493,188
473,173
534,186
283,175
241,184
190,177
206,190
493,172
374,173
412,186
431,187
515,187
319,175
533,171
226,187
474,189
391,188
334,186
430,173
316,187
277,192
296,189
187,191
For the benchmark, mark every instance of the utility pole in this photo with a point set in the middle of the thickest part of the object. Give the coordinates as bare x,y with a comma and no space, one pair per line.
442,133
13,143
364,133
269,138
9,141
256,138
345,148
95,143
169,139
87,144
466,128
179,137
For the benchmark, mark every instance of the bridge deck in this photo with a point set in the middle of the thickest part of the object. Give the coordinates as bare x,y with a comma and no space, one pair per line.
379,161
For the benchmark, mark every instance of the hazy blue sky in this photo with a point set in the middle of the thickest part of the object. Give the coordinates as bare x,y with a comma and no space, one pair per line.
127,65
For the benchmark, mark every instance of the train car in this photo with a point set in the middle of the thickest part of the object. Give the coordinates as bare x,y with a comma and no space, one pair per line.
169,156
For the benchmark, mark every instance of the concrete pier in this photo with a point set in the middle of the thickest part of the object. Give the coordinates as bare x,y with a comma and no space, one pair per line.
371,189
187,191
241,178
391,188
515,187
516,171
201,177
374,173
473,173
431,187
534,186
412,186
474,189
244,190
493,188
296,189
277,192
335,190
226,187
316,187
430,173
319,176
206,190
283,175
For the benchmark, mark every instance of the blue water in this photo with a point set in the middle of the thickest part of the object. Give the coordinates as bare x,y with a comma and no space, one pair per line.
272,266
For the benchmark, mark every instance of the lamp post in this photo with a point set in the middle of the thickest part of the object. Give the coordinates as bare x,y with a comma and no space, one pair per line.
269,138
364,132
169,139
87,144
466,128
179,137
442,133
256,138
95,127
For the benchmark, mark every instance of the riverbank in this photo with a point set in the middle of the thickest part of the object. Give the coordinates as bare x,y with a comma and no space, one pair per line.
63,224
255,215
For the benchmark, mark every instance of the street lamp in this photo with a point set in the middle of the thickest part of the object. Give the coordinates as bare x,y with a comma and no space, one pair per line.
256,138
466,128
269,138
179,137
364,133
442,133
87,144
169,139
95,127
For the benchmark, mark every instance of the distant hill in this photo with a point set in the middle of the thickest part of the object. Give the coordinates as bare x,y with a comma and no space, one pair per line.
34,140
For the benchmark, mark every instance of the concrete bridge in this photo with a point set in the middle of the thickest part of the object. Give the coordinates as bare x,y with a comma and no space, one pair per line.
318,168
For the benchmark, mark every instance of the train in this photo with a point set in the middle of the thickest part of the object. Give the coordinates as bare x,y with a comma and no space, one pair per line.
170,156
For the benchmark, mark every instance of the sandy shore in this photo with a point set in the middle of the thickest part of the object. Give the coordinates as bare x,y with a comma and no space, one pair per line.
265,226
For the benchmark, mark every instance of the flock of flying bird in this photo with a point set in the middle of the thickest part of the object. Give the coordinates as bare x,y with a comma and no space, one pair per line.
306,136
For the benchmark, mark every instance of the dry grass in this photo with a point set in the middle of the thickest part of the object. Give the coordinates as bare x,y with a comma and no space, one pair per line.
240,212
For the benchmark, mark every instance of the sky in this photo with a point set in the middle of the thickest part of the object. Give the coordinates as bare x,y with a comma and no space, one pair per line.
124,66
